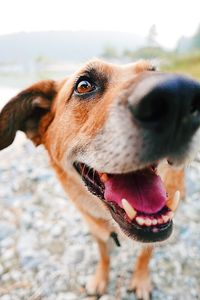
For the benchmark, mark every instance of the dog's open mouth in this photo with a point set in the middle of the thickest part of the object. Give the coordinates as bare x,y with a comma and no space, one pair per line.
137,201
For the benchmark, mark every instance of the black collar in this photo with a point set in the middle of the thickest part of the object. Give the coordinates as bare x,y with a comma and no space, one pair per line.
114,236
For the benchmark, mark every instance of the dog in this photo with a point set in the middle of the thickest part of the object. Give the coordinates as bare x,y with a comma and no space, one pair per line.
118,138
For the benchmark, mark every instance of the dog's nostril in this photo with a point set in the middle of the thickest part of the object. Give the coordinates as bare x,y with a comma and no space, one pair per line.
195,106
151,110
155,112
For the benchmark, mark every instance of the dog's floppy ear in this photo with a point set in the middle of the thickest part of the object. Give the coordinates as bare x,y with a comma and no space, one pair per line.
24,112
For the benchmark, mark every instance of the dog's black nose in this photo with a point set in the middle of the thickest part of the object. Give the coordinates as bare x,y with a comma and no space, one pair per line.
168,114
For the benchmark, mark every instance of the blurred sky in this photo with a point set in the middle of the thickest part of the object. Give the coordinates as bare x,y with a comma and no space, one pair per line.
173,18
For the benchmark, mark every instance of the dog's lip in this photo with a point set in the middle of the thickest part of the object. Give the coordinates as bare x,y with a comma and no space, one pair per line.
142,233
138,231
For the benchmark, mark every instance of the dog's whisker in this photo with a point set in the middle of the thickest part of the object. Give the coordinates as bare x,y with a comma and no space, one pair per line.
83,169
93,175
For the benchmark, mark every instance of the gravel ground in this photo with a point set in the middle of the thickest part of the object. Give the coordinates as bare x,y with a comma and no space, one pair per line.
46,251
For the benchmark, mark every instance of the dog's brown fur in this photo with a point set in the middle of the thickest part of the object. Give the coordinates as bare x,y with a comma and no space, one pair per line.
49,116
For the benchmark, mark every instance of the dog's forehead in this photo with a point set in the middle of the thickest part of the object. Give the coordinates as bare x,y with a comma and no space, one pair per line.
99,66
115,71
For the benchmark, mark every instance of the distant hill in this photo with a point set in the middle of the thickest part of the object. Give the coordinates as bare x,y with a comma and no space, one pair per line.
184,45
63,45
187,44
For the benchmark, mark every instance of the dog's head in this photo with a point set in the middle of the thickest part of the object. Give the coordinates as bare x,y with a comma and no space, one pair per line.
112,126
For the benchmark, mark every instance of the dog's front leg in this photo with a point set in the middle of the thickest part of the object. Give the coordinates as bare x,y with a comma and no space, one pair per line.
99,281
141,280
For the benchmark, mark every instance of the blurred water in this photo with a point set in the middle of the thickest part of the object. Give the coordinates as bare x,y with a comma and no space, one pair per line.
26,76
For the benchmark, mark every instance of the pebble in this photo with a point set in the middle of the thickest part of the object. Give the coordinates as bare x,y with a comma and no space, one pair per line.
1,269
7,242
47,245
6,230
15,275
107,297
8,254
6,297
56,230
67,296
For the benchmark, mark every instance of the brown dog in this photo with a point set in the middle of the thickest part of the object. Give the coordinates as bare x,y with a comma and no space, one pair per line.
115,135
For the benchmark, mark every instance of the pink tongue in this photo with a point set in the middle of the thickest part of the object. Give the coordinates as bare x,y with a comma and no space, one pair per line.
144,190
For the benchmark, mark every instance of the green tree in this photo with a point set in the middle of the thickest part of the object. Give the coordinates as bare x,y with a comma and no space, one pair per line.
196,39
152,36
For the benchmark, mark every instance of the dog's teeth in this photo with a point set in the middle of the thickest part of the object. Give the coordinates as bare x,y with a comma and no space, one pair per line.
130,211
104,177
140,220
148,222
173,203
165,218
160,220
154,222
170,215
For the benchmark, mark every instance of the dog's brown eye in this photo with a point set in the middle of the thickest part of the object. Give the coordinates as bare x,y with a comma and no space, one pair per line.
84,86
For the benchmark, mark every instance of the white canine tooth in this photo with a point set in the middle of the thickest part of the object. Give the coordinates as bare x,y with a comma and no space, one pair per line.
130,211
140,220
148,222
173,203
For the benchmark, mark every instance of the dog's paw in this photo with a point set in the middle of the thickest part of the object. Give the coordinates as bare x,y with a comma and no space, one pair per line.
97,285
141,287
